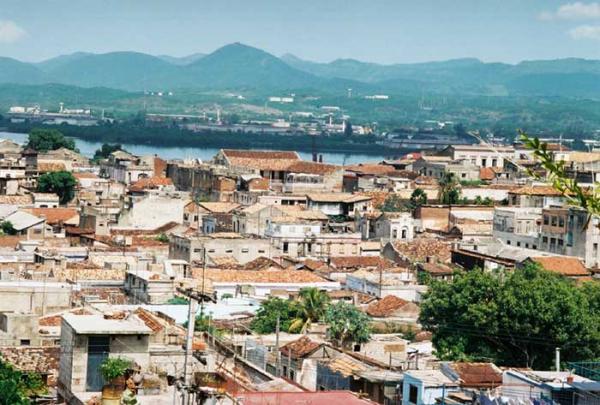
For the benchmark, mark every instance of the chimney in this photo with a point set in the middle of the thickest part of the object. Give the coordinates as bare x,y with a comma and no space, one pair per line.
320,158
314,157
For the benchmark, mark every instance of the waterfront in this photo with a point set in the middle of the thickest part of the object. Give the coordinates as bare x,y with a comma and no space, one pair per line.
88,148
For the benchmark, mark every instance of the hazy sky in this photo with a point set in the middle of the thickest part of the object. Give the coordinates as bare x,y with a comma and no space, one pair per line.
387,31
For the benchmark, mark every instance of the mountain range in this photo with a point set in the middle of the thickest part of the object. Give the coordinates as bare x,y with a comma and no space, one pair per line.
238,66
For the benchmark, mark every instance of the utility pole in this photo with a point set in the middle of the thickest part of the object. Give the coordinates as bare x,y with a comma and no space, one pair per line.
189,348
278,366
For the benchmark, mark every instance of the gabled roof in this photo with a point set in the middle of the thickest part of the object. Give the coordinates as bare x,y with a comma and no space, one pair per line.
21,220
477,374
219,207
386,306
54,216
565,265
150,183
536,190
357,262
300,348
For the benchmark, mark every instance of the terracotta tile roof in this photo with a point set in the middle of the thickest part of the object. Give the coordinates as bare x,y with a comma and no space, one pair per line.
150,183
304,166
54,216
85,175
149,319
436,269
567,266
50,167
377,197
265,276
56,319
357,262
261,263
386,306
300,348
419,249
87,271
42,360
488,173
16,199
10,240
260,154
370,168
478,374
346,366
314,265
536,190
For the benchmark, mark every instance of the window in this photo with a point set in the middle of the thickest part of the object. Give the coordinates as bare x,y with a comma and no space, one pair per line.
463,175
286,247
518,244
534,246
245,250
527,245
404,234
394,233
554,221
261,251
494,162
508,242
229,251
546,220
211,251
561,221
560,242
356,347
197,250
545,239
483,162
25,342
413,394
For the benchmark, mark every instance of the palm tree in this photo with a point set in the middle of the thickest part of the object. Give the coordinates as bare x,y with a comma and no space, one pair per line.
311,306
449,189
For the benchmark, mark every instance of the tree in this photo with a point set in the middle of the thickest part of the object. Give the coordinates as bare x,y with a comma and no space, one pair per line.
346,324
449,189
348,131
393,203
7,228
514,319
265,320
106,150
17,387
43,140
310,307
61,183
417,199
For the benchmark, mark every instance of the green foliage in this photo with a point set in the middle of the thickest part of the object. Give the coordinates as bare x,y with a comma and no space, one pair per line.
393,203
310,307
43,140
114,367
471,183
449,189
346,324
61,183
266,317
162,238
417,199
106,150
556,174
226,296
483,201
16,387
203,324
178,301
7,228
514,319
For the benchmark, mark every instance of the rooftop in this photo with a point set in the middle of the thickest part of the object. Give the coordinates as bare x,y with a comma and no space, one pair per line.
337,197
96,324
300,348
386,306
419,249
302,398
264,276
564,265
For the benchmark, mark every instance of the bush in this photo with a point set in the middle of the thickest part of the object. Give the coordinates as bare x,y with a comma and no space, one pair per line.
114,367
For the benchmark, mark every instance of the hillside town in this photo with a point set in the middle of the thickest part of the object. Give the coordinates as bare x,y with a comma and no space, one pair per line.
258,277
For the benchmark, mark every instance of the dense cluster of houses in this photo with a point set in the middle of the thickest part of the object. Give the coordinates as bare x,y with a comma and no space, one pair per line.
99,276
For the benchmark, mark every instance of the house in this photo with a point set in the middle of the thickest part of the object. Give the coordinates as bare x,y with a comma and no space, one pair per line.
211,247
91,338
262,283
536,196
564,265
338,204
45,200
518,226
154,210
434,270
480,155
561,387
425,387
393,308
479,376
149,287
417,251
380,284
293,356
28,225
395,226
57,219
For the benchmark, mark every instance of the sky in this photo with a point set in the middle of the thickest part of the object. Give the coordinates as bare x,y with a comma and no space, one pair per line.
382,31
